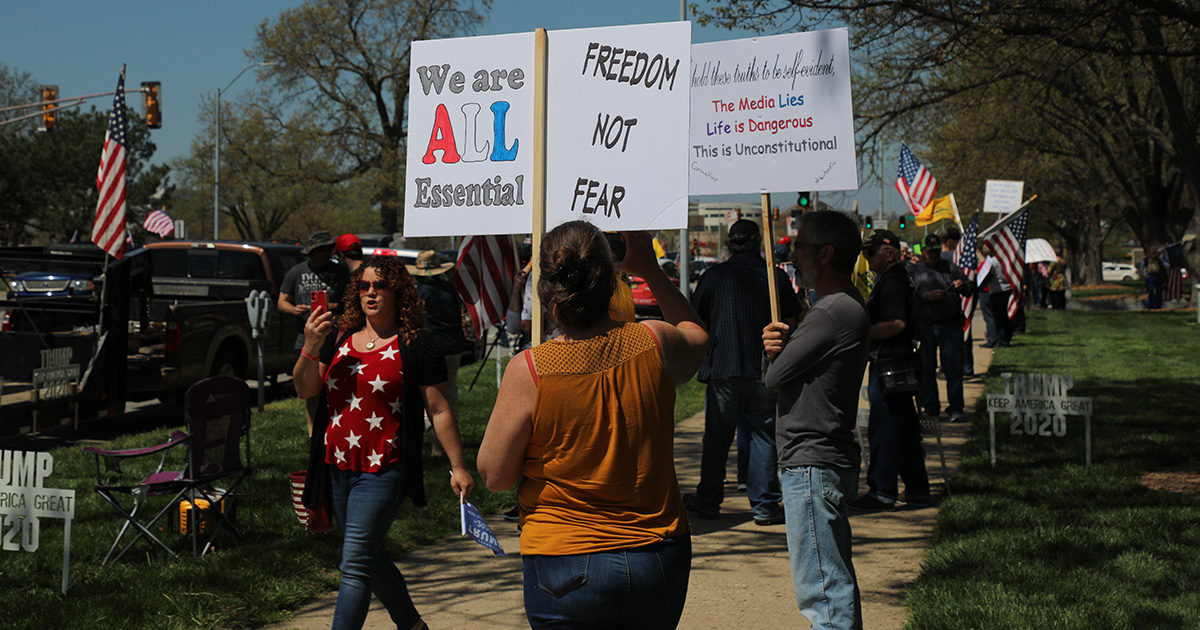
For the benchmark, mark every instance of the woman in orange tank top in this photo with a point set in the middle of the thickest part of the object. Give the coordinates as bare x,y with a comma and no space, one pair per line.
585,421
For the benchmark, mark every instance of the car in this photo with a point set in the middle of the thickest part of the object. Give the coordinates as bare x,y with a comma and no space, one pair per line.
644,304
52,284
1113,271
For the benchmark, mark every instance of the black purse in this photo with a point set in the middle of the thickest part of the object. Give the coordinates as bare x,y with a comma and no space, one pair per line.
899,373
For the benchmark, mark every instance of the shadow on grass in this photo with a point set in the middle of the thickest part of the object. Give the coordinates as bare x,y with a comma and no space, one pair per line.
1040,539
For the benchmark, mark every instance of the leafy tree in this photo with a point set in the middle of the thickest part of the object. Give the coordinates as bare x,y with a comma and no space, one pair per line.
343,67
275,182
48,180
1114,82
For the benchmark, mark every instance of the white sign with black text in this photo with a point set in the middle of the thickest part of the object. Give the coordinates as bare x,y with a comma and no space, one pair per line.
617,126
1002,196
772,114
470,130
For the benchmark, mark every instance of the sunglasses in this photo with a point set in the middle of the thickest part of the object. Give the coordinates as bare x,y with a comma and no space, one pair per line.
380,285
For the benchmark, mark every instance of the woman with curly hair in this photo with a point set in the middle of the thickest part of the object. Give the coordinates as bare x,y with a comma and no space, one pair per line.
376,378
586,420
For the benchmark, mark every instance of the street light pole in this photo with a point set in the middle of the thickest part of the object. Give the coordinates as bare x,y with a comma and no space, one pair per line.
217,145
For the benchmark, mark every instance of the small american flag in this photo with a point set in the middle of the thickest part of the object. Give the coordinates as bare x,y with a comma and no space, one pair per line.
915,183
159,223
109,229
486,265
968,261
1174,290
1007,240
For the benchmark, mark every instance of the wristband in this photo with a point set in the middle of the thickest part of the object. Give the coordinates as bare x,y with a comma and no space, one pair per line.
307,355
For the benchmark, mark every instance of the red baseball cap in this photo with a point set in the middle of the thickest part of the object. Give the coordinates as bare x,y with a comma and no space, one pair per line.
346,242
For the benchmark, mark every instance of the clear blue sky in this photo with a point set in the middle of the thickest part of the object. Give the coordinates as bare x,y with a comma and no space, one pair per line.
195,47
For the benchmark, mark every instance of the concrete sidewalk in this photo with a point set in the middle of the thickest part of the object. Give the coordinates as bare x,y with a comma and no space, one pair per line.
740,574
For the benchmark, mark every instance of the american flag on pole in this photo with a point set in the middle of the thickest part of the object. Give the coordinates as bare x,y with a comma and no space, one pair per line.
1174,290
159,222
1007,240
109,229
486,265
915,183
967,260
1174,255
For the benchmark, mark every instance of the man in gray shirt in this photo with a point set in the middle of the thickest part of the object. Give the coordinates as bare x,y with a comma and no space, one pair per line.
818,370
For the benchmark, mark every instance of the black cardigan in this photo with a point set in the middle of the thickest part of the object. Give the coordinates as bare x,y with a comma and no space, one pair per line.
423,365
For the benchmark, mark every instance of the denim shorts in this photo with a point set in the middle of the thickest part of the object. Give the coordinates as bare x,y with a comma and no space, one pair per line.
638,588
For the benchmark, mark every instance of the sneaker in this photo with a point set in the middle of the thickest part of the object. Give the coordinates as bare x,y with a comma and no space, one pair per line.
778,519
957,416
689,502
741,487
514,514
916,501
870,503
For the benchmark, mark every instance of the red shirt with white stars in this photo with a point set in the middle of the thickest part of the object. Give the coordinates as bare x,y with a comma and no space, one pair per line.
365,391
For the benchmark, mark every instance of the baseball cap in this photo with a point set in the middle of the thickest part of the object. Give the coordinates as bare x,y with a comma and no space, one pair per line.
932,242
346,242
743,228
881,237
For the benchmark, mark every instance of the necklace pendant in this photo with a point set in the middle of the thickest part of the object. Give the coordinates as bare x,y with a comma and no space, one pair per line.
370,345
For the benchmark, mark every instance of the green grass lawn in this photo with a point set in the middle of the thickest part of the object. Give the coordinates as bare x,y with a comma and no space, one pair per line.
1042,541
245,585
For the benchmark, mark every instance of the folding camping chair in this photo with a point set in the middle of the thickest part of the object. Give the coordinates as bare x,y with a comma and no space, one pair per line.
217,413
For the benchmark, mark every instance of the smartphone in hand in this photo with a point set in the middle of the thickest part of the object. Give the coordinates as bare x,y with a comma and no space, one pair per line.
320,298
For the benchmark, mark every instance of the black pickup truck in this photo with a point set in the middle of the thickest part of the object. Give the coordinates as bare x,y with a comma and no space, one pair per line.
163,317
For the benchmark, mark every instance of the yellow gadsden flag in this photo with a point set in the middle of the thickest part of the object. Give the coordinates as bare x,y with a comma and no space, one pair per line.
938,209
658,249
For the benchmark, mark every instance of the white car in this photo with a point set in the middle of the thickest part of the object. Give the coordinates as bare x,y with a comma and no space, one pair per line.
1113,272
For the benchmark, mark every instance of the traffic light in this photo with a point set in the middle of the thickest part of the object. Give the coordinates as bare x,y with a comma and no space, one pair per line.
774,213
903,223
868,222
49,115
152,103
804,200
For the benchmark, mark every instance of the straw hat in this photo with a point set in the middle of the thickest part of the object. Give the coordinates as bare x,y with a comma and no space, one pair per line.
428,263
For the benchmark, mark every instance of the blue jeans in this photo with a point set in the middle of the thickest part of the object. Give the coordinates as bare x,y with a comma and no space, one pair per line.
725,401
818,537
366,504
895,436
638,588
947,338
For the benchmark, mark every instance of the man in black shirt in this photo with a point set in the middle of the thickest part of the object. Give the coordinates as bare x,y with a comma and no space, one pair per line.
319,272
940,285
894,431
733,300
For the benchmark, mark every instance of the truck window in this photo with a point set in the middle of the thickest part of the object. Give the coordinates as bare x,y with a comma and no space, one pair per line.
169,263
240,266
202,265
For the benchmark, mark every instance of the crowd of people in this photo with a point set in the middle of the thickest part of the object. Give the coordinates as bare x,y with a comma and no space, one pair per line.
583,422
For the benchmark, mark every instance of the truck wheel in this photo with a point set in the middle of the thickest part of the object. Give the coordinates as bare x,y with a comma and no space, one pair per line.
226,364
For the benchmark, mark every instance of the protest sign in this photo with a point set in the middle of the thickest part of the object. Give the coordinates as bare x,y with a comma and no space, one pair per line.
616,126
1002,196
771,114
1038,405
470,126
24,501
